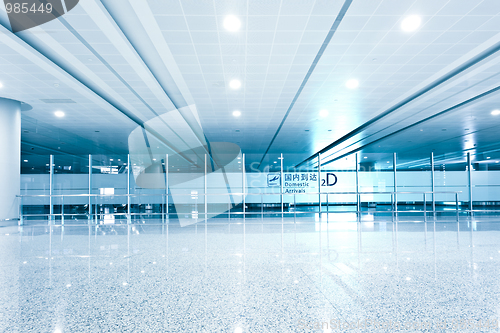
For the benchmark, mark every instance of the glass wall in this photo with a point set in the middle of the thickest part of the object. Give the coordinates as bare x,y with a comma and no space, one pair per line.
120,195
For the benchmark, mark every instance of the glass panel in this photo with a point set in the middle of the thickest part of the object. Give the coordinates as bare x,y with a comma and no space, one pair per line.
376,174
485,182
35,172
413,176
451,176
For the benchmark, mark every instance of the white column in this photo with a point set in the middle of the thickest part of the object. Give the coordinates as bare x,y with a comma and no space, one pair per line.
10,157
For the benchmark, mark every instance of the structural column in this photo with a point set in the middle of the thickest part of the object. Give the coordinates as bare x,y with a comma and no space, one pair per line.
10,157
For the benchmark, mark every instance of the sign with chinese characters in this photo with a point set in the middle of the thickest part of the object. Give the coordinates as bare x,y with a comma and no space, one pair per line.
300,182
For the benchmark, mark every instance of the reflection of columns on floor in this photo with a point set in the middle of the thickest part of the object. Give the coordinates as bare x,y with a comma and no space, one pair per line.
10,157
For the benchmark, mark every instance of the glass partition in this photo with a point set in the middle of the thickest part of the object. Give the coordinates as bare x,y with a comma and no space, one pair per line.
220,187
35,187
485,177
376,174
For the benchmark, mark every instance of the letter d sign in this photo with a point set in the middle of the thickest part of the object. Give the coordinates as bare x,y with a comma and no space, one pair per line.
331,179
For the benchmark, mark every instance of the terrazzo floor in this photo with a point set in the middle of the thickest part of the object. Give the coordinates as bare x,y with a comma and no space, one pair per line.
272,275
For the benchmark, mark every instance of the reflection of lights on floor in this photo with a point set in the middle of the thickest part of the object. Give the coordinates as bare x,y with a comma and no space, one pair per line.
335,217
109,219
346,226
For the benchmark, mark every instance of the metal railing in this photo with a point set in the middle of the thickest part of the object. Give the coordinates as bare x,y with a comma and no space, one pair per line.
94,214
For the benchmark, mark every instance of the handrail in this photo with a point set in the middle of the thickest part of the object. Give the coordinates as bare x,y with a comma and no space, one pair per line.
226,194
95,216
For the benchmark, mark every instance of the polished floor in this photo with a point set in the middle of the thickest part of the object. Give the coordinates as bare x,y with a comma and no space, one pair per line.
308,274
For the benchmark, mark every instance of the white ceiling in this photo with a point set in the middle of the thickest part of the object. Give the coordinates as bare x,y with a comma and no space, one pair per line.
125,62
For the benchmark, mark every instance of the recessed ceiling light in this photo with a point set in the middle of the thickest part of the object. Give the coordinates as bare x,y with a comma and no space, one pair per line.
365,157
352,84
235,84
411,23
488,158
25,161
232,23
323,113
495,112
236,113
59,114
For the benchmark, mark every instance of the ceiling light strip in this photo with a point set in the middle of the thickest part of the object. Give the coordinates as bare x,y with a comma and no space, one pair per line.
453,108
327,40
174,93
387,127
468,64
119,77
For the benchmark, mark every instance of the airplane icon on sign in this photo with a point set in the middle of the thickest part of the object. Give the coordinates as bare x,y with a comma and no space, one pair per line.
273,180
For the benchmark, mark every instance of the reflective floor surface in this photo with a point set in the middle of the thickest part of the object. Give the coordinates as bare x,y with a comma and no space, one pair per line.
271,275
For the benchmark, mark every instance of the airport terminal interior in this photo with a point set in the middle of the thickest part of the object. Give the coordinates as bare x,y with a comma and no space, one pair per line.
249,166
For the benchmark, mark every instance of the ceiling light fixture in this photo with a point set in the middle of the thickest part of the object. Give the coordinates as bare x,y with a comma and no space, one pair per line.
323,113
411,23
236,113
232,23
59,114
495,112
235,84
352,84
